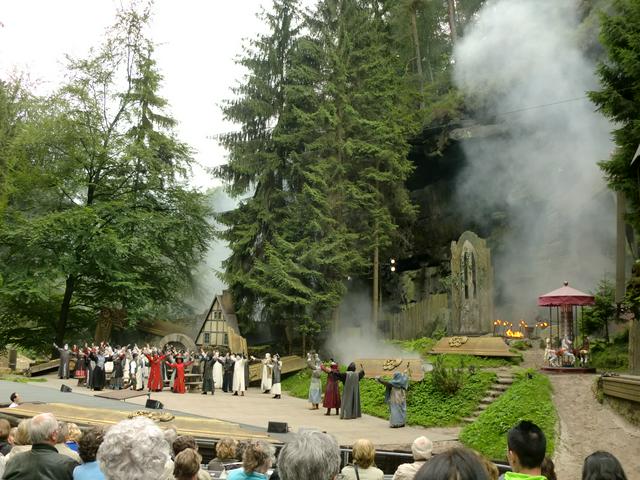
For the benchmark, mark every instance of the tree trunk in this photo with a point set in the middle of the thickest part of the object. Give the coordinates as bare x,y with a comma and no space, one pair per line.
376,273
634,347
452,21
416,45
61,327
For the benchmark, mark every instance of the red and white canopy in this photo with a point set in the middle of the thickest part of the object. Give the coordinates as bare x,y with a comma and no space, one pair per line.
565,295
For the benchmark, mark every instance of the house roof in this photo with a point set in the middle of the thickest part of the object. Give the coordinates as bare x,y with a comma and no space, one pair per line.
228,313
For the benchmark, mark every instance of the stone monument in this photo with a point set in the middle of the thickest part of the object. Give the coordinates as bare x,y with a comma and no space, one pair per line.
471,286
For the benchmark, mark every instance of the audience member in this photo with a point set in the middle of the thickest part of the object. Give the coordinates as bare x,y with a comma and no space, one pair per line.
11,439
310,456
15,400
170,435
421,449
62,447
256,462
72,439
182,443
133,448
21,441
602,466
187,465
363,468
226,450
492,470
526,445
42,462
548,469
456,463
88,449
5,428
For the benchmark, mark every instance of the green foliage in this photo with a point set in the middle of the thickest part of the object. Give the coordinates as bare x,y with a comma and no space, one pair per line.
520,345
99,220
21,379
604,310
529,398
609,356
618,98
447,380
426,405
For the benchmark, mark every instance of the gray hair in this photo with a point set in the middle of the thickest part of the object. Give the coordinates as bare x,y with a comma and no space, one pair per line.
310,455
133,448
42,427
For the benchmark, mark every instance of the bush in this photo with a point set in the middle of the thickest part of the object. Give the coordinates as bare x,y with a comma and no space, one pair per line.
448,380
529,398
520,344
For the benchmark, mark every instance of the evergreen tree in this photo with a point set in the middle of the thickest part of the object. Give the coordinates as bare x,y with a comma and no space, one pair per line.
100,222
619,99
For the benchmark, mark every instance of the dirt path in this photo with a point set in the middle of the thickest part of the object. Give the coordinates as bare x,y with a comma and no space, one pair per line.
587,426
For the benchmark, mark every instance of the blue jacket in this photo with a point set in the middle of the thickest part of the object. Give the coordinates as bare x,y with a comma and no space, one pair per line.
239,474
88,471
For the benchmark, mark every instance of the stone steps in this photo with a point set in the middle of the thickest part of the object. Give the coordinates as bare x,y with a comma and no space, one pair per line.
499,386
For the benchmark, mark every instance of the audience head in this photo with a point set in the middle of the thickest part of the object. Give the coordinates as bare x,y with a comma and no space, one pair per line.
90,443
489,467
187,464
548,469
43,428
5,428
602,466
527,445
170,435
422,448
257,456
183,442
226,449
74,434
456,463
310,455
63,432
11,439
23,436
15,398
133,448
364,453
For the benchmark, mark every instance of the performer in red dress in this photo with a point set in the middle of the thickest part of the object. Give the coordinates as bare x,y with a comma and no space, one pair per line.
178,383
332,391
155,383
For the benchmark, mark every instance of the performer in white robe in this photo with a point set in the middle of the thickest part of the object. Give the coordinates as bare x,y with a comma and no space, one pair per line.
238,375
217,371
267,372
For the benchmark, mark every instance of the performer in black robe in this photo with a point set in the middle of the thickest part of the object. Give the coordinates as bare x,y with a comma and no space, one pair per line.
65,358
227,377
207,372
351,392
98,376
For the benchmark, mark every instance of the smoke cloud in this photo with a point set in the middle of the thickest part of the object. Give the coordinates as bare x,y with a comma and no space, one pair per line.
532,178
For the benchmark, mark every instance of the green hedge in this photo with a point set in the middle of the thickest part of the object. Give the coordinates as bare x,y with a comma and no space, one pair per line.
529,398
426,406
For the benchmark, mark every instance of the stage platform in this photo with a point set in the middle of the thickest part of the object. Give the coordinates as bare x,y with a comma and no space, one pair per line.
121,394
569,370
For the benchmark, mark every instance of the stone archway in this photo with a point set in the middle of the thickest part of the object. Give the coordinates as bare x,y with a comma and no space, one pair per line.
180,339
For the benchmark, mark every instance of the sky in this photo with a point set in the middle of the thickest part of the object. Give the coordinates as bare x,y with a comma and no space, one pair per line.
197,41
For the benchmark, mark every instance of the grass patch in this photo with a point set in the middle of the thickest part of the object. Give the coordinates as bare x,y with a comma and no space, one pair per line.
426,405
609,356
527,399
21,379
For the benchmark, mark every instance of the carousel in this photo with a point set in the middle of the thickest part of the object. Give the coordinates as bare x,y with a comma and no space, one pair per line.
561,354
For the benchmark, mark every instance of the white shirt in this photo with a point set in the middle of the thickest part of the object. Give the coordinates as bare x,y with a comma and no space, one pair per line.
13,405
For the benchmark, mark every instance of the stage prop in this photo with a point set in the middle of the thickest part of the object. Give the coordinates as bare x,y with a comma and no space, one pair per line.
480,346
386,367
198,427
121,394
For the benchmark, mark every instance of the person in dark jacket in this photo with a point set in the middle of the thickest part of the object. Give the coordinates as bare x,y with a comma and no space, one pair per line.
42,462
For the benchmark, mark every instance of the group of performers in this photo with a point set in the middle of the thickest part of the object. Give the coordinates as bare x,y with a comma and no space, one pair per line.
347,405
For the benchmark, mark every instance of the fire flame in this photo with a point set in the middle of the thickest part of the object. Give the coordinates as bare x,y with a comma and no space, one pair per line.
511,334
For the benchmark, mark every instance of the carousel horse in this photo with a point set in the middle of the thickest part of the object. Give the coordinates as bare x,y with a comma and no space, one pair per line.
550,355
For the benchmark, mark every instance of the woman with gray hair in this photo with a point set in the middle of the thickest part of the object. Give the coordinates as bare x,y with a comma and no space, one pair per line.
256,462
133,448
310,455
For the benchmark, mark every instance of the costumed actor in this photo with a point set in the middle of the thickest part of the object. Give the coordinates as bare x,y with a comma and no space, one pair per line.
155,383
351,392
208,362
332,390
178,367
65,359
395,396
315,385
276,387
